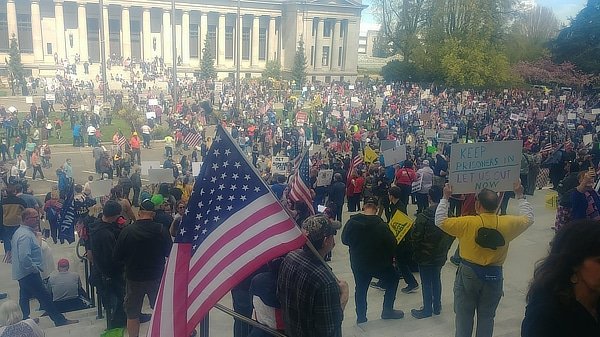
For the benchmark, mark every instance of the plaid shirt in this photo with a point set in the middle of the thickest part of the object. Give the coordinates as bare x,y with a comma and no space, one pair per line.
309,297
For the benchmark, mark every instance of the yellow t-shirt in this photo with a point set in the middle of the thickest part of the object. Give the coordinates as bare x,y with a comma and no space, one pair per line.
465,229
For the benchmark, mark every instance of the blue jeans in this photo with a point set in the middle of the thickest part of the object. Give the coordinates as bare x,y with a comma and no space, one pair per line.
388,277
31,286
471,295
7,234
431,284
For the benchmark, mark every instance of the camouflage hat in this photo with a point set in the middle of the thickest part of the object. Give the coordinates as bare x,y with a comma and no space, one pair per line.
318,227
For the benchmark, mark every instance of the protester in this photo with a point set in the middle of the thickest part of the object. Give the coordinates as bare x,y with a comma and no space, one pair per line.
65,288
13,324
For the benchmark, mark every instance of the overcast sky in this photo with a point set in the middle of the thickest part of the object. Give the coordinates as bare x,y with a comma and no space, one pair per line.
564,9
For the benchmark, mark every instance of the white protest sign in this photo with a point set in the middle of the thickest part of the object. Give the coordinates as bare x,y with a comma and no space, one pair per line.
514,117
196,165
378,102
29,100
151,164
395,155
351,87
354,99
150,114
153,101
160,175
324,177
571,115
446,136
50,97
387,144
588,139
493,165
430,133
101,188
346,114
589,117
279,165
562,98
219,87
596,111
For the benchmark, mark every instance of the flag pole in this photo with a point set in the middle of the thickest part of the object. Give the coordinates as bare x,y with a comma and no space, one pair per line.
247,320
308,243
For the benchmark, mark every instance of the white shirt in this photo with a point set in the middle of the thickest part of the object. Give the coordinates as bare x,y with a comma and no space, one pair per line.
22,165
146,129
91,130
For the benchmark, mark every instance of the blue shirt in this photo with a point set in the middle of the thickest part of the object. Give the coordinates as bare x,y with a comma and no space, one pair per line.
76,130
26,253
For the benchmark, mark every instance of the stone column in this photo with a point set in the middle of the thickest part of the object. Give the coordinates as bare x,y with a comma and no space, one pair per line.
319,44
167,48
11,18
36,31
203,32
185,37
221,41
335,45
148,53
125,33
271,42
106,33
60,29
255,43
351,59
308,39
82,29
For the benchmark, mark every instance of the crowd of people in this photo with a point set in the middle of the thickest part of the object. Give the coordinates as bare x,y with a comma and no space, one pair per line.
127,234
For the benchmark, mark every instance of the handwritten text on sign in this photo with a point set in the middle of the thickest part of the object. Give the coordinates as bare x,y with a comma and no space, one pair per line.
494,165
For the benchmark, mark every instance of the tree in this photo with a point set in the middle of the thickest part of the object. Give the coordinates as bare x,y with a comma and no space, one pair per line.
544,71
580,42
530,34
272,70
207,65
299,67
15,67
132,116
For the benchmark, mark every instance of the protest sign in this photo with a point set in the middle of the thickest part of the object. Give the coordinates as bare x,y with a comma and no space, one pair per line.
395,155
446,136
280,165
101,188
387,144
346,114
493,165
150,114
514,117
563,98
218,87
400,224
588,139
324,177
50,97
378,103
29,100
146,165
153,101
589,116
301,118
196,166
351,87
430,133
160,175
596,111
571,115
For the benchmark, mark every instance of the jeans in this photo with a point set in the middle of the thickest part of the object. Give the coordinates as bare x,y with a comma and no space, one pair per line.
136,197
168,151
474,295
146,139
422,202
37,169
31,286
242,304
135,154
7,234
431,284
112,291
404,195
388,277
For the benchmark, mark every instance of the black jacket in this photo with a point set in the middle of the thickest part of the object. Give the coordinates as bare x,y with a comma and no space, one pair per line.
142,247
337,192
136,180
430,243
103,238
371,242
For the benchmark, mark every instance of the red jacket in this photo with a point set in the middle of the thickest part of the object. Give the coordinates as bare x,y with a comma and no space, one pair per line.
405,176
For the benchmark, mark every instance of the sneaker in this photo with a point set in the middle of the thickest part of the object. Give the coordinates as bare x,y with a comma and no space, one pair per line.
410,289
392,314
68,322
376,285
361,320
420,313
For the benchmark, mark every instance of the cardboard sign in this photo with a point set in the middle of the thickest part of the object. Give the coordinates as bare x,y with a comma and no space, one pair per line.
571,115
101,188
301,118
589,117
395,155
324,177
51,97
563,98
387,144
596,111
196,166
351,87
280,165
146,165
29,100
514,117
430,133
400,224
160,175
588,139
446,136
150,114
153,101
493,165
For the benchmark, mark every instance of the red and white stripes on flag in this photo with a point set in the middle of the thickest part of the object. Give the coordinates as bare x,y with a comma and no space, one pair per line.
121,141
356,162
192,139
547,148
300,187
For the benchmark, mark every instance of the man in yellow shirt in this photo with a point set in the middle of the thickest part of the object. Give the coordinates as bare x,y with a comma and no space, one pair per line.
483,240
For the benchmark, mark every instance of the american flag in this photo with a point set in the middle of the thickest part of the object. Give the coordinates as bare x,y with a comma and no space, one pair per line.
300,186
356,162
296,154
121,141
192,138
232,226
547,148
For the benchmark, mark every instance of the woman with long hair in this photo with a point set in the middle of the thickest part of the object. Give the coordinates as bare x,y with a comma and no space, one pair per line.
564,295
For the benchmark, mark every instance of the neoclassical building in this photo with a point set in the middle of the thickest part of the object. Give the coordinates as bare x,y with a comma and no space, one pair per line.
141,30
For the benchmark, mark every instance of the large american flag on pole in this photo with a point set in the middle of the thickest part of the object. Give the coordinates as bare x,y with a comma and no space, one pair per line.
354,164
300,185
232,226
121,140
192,139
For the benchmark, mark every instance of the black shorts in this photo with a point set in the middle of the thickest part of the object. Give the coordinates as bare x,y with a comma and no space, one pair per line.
134,296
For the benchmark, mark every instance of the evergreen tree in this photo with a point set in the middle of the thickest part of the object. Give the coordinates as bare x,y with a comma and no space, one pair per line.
272,70
15,67
299,67
207,65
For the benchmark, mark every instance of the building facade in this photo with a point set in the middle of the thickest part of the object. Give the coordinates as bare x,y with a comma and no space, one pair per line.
141,30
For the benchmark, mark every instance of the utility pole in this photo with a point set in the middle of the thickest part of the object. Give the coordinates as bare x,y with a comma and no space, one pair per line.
103,53
175,93
238,91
